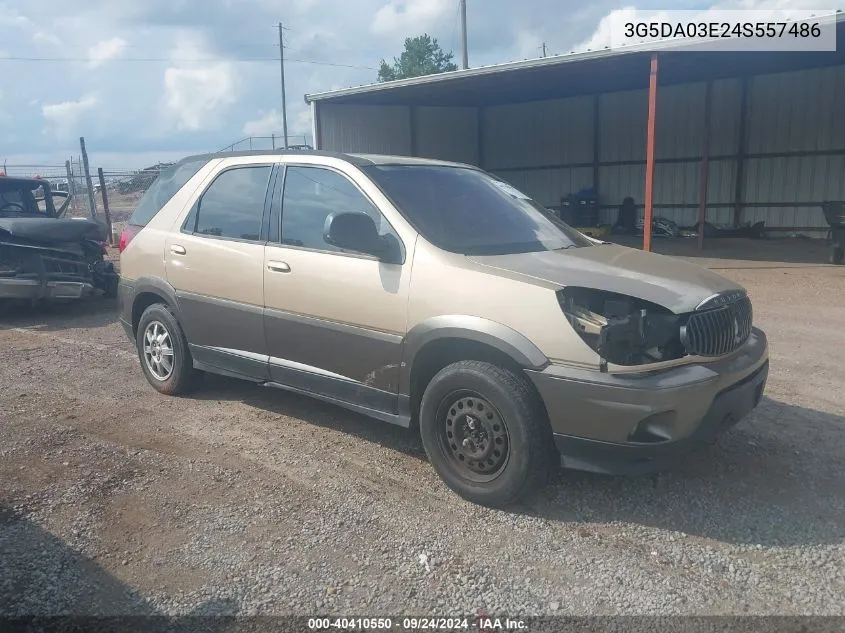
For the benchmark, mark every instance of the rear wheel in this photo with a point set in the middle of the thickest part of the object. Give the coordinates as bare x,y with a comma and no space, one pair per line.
486,434
164,353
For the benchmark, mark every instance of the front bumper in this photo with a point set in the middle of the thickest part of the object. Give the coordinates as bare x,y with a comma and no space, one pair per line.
626,424
35,289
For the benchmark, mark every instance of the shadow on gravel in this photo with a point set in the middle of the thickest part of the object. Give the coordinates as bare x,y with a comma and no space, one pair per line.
56,316
42,576
312,411
775,480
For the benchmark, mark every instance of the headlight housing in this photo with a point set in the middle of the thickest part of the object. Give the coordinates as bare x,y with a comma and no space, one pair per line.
623,330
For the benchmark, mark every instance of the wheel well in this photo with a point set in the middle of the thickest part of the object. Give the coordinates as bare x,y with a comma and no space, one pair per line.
441,353
143,301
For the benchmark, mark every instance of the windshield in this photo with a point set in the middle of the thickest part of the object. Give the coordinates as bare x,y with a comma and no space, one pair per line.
467,211
24,198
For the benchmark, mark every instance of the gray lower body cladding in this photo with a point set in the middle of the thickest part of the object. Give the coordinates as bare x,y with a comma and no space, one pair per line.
613,424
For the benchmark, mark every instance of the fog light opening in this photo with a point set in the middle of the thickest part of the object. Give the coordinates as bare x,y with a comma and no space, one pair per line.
654,429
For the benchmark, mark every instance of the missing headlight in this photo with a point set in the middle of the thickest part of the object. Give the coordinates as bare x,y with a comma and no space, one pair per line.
623,330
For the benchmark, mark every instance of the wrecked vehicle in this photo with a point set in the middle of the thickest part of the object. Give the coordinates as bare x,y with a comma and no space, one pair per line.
44,255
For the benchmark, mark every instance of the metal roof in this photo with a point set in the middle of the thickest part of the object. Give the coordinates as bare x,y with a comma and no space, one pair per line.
585,72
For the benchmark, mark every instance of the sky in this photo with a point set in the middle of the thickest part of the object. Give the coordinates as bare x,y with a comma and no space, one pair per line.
154,80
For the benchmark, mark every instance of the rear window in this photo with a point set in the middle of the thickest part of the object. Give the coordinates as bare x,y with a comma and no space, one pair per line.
169,181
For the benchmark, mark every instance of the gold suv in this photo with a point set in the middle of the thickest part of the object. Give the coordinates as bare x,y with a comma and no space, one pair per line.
433,295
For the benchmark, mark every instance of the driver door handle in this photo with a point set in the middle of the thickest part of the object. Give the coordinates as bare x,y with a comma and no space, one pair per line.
278,267
176,249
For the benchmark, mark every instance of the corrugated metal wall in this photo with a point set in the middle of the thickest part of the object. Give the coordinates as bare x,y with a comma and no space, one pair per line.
365,129
622,132
448,134
546,148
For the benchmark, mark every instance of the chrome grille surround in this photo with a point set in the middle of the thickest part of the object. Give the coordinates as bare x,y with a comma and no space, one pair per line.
720,324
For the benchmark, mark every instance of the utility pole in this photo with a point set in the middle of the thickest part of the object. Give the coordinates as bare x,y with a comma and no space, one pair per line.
544,49
284,99
465,56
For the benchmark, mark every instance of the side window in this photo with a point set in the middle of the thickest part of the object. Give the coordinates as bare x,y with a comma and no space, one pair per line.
310,195
233,205
163,188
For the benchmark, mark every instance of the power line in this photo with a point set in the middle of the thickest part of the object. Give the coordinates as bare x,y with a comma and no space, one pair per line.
184,60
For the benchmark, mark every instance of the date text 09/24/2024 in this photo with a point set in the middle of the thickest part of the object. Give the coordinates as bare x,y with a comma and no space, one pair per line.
480,623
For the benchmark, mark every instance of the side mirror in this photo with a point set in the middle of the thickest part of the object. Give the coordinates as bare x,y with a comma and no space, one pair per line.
353,231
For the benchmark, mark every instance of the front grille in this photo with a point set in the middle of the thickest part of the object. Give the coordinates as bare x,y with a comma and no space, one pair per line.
720,330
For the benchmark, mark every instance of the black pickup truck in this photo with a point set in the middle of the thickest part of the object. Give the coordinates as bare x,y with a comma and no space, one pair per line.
44,255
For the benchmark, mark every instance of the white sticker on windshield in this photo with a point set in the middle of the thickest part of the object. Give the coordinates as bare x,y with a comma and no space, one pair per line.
511,191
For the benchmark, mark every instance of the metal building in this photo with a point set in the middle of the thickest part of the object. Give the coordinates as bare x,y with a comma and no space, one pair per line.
747,136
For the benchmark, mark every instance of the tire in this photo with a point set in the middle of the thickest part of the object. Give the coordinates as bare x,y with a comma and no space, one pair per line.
180,376
836,255
505,414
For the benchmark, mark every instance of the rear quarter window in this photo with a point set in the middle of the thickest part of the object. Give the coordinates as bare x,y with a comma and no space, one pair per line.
169,181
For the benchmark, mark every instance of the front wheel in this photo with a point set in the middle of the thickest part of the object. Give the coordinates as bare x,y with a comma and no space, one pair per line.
164,353
486,434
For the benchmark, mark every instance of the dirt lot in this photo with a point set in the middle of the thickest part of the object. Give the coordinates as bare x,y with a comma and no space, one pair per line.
246,500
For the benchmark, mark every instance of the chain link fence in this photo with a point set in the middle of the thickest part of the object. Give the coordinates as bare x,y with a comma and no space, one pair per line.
124,186
264,143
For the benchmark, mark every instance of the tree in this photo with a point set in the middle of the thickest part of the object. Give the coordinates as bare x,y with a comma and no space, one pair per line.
422,56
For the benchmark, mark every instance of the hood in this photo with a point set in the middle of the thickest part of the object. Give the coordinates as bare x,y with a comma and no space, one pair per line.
673,283
53,230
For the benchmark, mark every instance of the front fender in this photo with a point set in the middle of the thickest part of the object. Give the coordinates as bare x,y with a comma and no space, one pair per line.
477,329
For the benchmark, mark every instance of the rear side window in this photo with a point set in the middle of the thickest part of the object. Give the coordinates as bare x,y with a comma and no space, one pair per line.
233,205
169,181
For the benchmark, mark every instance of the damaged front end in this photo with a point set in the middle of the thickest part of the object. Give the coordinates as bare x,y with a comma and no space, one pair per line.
43,256
628,331
60,271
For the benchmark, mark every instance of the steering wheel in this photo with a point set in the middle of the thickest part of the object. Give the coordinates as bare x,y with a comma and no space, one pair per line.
12,204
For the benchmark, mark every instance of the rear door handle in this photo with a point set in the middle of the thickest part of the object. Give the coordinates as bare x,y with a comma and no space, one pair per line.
278,267
176,249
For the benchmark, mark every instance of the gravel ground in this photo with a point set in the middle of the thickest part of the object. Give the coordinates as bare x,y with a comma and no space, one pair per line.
243,500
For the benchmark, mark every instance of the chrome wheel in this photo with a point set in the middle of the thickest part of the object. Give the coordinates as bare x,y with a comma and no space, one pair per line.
474,437
158,351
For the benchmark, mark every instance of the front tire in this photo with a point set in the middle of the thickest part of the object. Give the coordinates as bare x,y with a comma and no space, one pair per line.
163,352
486,434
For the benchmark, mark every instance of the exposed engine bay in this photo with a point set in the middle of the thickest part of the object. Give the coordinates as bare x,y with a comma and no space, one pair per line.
629,331
623,330
45,256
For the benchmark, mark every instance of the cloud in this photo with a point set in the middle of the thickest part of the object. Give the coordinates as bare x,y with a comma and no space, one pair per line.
105,50
11,17
46,38
66,114
266,123
416,15
529,44
196,92
610,23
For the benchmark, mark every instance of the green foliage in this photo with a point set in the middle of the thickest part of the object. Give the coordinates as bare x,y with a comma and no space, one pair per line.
422,56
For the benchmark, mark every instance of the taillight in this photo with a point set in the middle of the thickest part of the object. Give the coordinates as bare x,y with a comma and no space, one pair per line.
130,231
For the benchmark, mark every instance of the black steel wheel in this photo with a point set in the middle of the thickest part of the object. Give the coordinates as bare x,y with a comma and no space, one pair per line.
474,434
486,434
